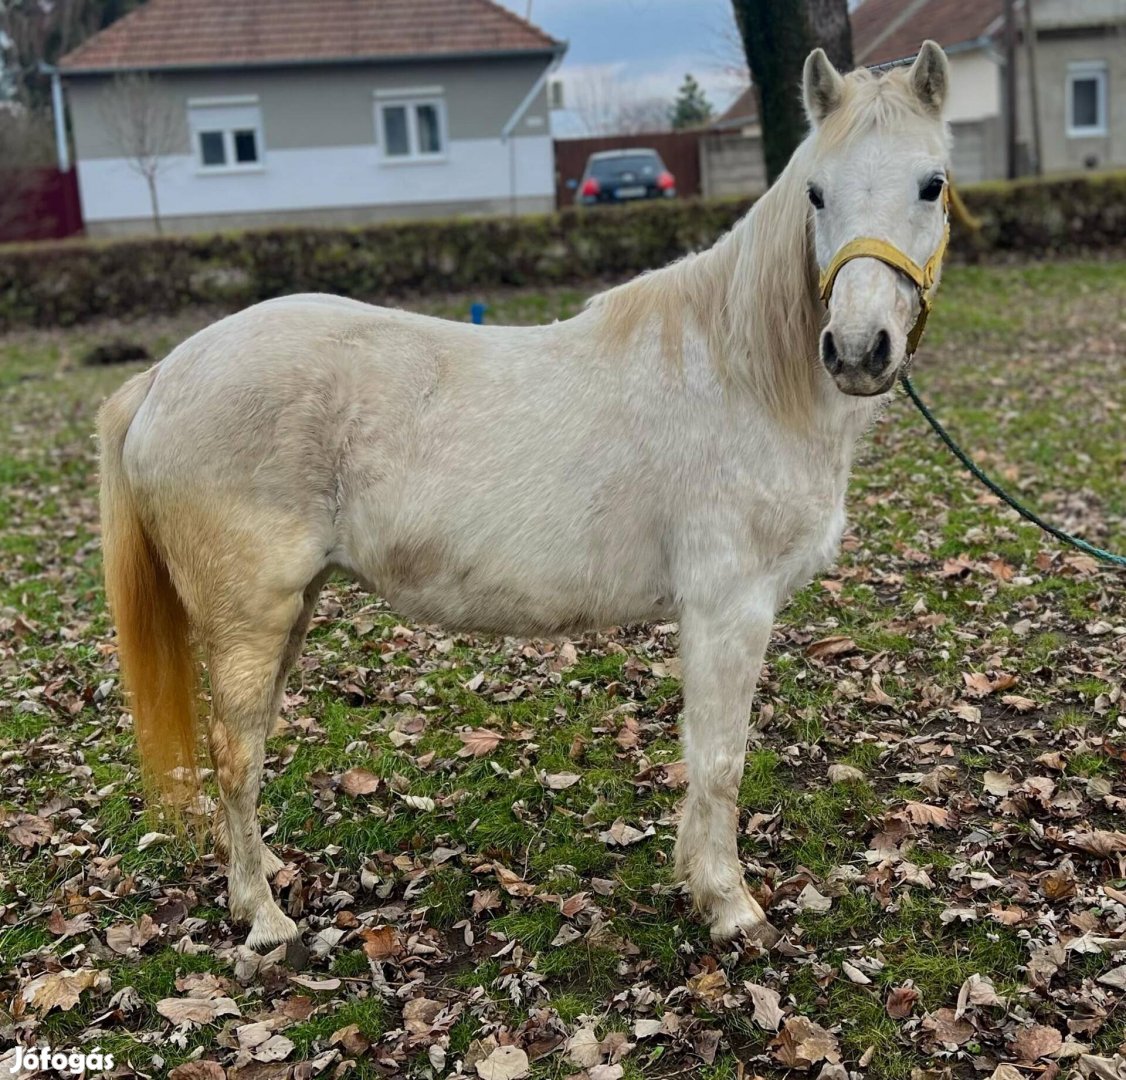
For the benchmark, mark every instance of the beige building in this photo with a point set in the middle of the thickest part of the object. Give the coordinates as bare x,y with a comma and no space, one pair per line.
340,112
1080,60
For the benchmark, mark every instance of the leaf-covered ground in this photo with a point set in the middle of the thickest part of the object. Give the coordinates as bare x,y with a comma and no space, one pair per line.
477,832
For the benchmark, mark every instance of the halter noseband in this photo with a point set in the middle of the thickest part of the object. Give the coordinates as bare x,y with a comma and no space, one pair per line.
922,277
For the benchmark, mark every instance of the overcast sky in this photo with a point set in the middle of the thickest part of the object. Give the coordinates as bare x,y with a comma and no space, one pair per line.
646,45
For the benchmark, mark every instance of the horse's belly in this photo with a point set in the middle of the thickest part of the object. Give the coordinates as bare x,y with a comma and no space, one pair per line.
545,591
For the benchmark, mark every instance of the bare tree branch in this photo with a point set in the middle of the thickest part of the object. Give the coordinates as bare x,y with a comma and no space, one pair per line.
145,125
604,105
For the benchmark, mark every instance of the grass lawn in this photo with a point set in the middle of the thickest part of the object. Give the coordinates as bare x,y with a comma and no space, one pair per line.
478,832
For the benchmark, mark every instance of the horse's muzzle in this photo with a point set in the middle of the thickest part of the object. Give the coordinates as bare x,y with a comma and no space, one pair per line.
862,369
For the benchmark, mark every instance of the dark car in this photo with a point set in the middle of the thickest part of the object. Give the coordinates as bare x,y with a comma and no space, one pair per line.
615,176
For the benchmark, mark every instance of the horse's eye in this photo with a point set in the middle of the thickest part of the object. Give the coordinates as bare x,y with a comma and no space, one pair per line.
816,198
932,188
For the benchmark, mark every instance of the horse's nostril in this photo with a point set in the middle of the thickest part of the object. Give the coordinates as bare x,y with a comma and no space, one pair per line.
829,355
879,355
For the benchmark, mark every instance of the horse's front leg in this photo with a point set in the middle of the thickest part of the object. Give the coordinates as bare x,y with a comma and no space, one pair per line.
721,653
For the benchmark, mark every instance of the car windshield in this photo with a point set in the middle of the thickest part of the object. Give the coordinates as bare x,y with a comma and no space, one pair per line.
643,166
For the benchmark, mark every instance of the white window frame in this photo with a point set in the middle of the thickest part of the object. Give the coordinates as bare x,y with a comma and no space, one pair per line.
411,99
223,109
1081,72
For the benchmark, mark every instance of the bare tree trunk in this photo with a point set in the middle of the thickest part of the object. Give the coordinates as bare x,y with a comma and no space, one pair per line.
828,19
777,37
151,178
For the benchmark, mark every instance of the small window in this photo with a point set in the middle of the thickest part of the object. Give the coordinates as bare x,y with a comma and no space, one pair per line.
212,150
429,137
246,147
1086,99
412,130
396,140
227,133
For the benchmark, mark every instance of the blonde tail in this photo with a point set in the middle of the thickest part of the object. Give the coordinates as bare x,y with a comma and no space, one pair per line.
158,665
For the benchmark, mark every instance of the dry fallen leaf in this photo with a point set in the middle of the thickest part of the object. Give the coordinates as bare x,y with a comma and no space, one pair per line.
192,1011
477,742
997,783
802,1043
357,782
925,814
61,989
29,831
198,1070
504,1063
1036,1041
622,835
767,1013
1100,842
584,1048
901,1002
419,1013
976,990
981,685
830,646
948,1031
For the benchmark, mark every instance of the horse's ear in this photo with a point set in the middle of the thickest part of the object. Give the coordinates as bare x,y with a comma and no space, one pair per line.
930,77
822,86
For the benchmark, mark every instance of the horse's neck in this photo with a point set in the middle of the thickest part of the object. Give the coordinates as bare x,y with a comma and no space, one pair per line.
765,276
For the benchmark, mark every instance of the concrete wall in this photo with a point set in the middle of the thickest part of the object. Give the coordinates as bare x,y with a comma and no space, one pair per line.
320,148
1055,49
978,151
731,163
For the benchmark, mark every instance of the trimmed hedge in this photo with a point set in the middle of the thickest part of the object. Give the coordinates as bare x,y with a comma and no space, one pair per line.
58,284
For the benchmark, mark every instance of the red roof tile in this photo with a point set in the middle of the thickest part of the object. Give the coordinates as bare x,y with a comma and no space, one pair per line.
212,33
743,110
884,30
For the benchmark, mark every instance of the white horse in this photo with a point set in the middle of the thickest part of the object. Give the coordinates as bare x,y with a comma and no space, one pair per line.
680,450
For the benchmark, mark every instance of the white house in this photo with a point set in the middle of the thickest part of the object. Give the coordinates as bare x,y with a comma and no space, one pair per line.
1080,71
334,112
1080,61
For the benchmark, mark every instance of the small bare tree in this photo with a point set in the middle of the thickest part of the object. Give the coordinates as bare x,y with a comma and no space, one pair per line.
605,105
145,125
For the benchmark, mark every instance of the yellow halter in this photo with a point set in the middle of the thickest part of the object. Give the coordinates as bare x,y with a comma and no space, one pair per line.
922,277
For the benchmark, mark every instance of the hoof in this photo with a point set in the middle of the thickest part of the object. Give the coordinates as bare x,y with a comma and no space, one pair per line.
271,927
742,917
758,932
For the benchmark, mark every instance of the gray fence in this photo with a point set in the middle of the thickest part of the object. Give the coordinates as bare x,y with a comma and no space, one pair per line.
731,162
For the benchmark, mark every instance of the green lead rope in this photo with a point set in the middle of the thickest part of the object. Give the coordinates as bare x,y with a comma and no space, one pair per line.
1028,515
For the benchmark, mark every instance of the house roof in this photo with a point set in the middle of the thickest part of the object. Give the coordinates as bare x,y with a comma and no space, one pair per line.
742,111
222,33
885,30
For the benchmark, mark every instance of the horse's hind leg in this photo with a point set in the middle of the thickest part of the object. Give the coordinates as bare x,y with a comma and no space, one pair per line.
271,864
249,660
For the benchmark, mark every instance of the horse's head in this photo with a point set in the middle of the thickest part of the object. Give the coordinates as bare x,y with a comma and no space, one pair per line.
877,185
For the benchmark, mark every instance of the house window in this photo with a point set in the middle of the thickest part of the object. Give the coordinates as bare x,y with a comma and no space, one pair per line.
1086,99
410,129
227,133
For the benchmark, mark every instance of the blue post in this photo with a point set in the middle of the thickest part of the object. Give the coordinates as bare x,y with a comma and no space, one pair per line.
477,312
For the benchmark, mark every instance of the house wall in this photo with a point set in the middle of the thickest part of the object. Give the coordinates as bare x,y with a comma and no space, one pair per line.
975,86
320,151
1055,49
